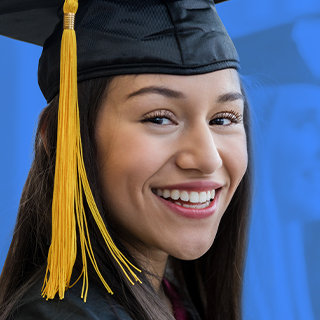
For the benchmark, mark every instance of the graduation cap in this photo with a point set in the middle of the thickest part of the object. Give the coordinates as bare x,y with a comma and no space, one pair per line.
114,37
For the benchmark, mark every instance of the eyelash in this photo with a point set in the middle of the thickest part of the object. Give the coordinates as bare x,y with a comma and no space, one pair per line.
231,115
159,114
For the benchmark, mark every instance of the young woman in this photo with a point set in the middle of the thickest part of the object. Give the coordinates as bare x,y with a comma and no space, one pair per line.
166,157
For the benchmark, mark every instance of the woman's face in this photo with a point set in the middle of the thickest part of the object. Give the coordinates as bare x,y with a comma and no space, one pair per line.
176,136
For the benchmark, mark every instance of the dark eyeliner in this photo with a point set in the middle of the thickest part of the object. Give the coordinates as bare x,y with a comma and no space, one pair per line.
232,115
157,114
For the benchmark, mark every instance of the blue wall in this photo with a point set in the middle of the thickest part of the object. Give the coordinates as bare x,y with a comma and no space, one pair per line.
21,102
279,46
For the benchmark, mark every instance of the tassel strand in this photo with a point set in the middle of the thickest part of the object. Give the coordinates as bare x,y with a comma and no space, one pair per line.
71,182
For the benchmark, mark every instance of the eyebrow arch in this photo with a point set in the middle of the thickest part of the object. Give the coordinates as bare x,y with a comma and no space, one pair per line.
230,96
166,92
173,94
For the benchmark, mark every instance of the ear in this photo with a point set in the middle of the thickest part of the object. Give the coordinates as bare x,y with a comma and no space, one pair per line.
43,130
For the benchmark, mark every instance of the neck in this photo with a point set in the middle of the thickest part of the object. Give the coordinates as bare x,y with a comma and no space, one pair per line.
153,262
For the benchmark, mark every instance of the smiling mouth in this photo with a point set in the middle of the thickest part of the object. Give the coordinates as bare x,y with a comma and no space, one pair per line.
193,199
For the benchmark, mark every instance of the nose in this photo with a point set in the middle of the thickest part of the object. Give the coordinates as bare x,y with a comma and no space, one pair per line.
197,150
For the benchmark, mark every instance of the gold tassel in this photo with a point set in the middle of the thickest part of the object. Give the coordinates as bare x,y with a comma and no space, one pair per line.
70,182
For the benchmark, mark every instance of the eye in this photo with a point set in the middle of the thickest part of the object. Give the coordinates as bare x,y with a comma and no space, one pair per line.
226,118
159,117
159,120
221,121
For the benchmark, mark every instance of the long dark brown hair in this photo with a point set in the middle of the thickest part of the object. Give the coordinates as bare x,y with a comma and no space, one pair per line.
211,286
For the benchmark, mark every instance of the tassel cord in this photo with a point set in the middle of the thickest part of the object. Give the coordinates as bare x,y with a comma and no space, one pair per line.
70,183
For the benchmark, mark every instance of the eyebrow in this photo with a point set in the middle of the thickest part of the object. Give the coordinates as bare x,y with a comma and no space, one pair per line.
166,92
230,96
173,94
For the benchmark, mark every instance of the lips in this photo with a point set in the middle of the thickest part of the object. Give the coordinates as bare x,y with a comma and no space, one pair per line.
193,200
186,198
190,210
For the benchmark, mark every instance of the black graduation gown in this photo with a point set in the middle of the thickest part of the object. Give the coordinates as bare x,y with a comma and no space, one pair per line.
99,306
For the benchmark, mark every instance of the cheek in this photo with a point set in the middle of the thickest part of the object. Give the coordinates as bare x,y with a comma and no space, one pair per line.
137,154
128,161
235,159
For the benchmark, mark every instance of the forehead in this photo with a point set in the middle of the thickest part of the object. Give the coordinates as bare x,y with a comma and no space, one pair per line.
214,83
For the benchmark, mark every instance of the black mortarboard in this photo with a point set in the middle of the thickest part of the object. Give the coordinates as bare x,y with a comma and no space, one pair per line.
123,37
114,37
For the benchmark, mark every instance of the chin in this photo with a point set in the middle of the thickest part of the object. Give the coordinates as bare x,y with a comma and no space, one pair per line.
188,256
192,250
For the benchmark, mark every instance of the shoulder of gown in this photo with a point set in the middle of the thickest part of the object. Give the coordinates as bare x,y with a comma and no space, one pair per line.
99,306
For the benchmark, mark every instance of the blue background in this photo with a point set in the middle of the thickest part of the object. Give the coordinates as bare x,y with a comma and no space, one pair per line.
279,46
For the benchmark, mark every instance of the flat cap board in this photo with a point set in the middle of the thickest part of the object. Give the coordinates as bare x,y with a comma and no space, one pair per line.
32,21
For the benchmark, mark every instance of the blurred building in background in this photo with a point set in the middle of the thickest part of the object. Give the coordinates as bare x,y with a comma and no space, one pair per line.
279,47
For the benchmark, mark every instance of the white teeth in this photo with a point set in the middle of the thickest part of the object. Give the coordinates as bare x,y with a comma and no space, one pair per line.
175,194
203,197
166,193
197,206
184,196
193,196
